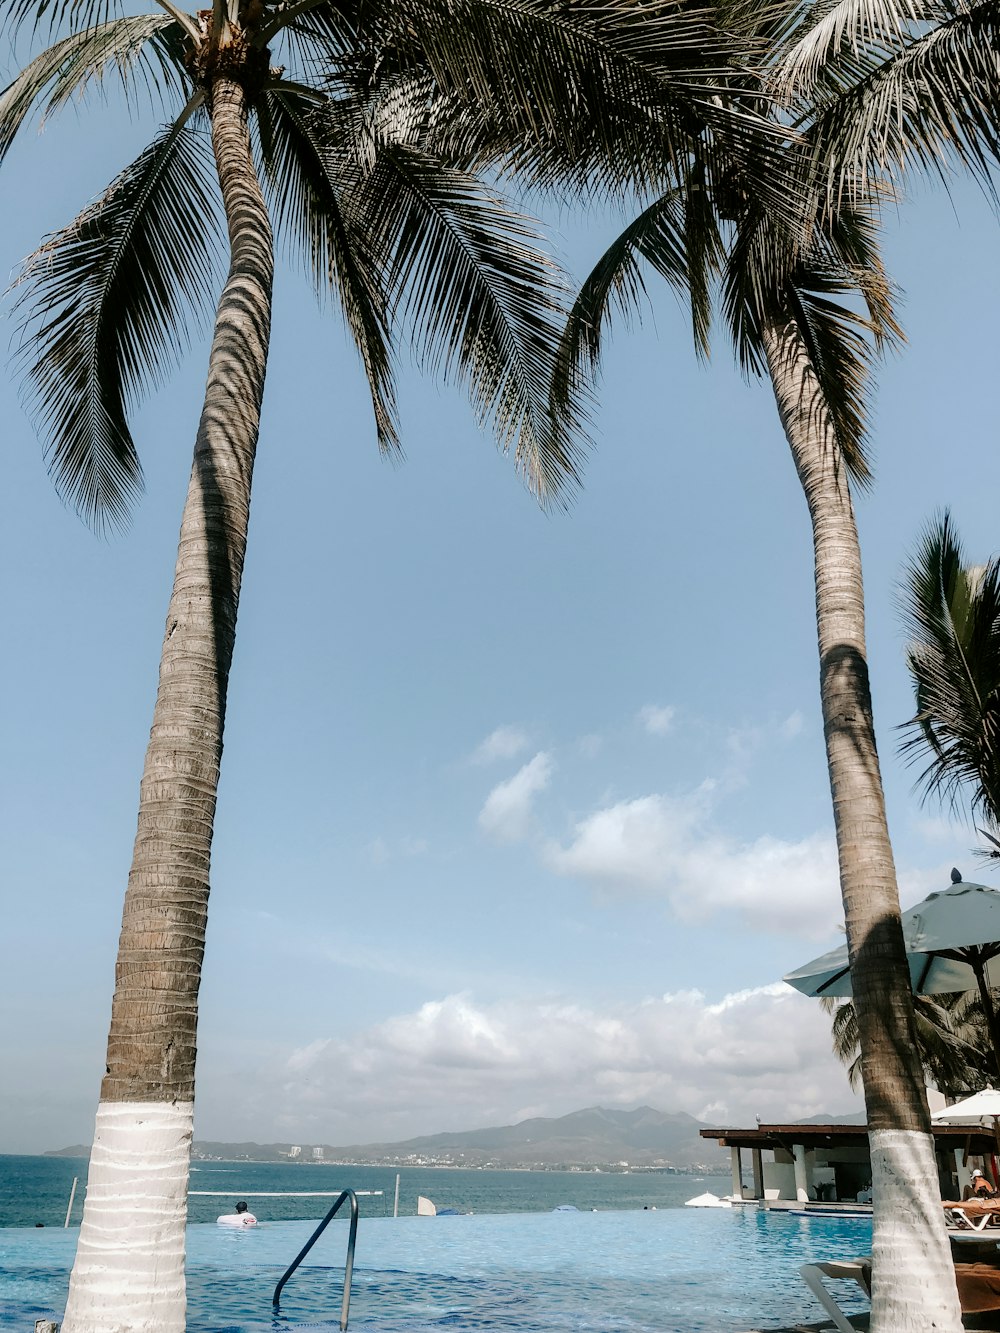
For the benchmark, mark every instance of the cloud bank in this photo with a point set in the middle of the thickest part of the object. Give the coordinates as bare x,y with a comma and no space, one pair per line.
455,1064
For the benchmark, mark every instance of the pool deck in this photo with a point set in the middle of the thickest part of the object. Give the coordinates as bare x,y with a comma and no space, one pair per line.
860,1321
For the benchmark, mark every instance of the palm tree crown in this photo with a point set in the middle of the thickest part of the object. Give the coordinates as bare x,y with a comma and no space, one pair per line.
383,225
951,612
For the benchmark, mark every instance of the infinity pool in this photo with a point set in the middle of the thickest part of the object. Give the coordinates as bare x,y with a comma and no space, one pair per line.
674,1270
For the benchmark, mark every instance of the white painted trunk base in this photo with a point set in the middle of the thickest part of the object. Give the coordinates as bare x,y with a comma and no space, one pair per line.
913,1280
129,1271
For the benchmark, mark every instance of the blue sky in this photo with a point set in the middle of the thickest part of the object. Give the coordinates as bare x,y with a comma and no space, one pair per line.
519,812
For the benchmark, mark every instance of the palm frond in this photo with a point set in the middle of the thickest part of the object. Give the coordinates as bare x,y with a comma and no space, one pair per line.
584,92
811,297
323,21
929,106
147,46
951,613
106,305
312,175
484,305
952,1038
321,39
53,14
678,237
832,28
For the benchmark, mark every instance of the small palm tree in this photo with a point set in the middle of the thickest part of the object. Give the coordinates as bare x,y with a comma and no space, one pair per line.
951,613
333,147
952,1037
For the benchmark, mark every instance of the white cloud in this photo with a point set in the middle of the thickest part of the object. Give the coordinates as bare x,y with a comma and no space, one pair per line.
455,1063
504,743
668,846
381,851
507,812
657,720
792,726
916,884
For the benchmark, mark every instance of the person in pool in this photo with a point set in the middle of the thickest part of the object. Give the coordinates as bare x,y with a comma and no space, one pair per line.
241,1218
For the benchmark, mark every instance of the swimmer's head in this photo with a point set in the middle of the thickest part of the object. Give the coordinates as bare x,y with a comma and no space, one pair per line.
241,1207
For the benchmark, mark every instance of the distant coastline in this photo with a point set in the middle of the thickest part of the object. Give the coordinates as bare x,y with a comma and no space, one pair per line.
81,1151
595,1140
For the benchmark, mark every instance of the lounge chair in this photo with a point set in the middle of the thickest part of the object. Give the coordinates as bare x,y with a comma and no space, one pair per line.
846,1270
964,1221
978,1285
972,1214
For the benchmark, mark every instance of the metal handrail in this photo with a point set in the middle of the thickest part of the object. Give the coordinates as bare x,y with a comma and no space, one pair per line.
348,1265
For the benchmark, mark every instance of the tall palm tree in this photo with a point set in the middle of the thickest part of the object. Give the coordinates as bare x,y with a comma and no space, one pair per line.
951,612
785,296
332,148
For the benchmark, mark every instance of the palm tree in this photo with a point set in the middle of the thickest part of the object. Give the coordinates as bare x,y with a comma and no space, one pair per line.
951,612
785,297
953,1038
333,149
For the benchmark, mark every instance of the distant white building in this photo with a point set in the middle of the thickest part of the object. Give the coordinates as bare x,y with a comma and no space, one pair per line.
318,1154
295,1152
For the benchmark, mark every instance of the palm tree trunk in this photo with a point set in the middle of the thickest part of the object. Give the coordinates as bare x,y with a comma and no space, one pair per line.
129,1270
913,1278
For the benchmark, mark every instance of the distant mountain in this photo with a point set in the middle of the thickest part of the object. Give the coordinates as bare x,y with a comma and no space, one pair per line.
643,1138
594,1137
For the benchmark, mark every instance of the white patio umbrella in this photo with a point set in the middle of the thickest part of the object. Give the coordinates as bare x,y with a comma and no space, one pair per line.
975,1110
982,1109
952,943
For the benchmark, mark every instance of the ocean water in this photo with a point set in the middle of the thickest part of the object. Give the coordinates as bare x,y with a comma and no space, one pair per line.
631,1260
37,1189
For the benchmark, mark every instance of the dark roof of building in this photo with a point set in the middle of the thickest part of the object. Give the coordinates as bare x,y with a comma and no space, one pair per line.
847,1136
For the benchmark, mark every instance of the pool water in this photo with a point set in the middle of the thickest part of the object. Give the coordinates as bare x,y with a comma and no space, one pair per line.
671,1270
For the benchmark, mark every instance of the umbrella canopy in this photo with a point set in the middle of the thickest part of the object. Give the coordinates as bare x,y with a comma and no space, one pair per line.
951,937
980,1106
952,942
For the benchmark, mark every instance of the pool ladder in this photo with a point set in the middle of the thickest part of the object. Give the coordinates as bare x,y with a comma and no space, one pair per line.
345,1304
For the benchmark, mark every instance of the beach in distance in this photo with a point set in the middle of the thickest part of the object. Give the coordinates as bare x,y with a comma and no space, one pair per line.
37,1189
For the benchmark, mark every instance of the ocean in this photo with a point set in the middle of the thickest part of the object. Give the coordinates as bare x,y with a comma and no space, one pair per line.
37,1189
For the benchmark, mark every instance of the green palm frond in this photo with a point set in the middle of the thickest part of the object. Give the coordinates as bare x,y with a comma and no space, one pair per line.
313,176
146,46
484,304
951,612
678,237
103,304
952,1038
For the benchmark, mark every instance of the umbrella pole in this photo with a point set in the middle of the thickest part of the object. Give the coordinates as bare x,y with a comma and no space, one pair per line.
988,1010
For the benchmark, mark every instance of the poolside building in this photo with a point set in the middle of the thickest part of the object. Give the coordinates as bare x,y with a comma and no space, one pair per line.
831,1163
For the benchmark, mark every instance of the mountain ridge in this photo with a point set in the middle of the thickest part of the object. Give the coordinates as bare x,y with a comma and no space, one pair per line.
596,1136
